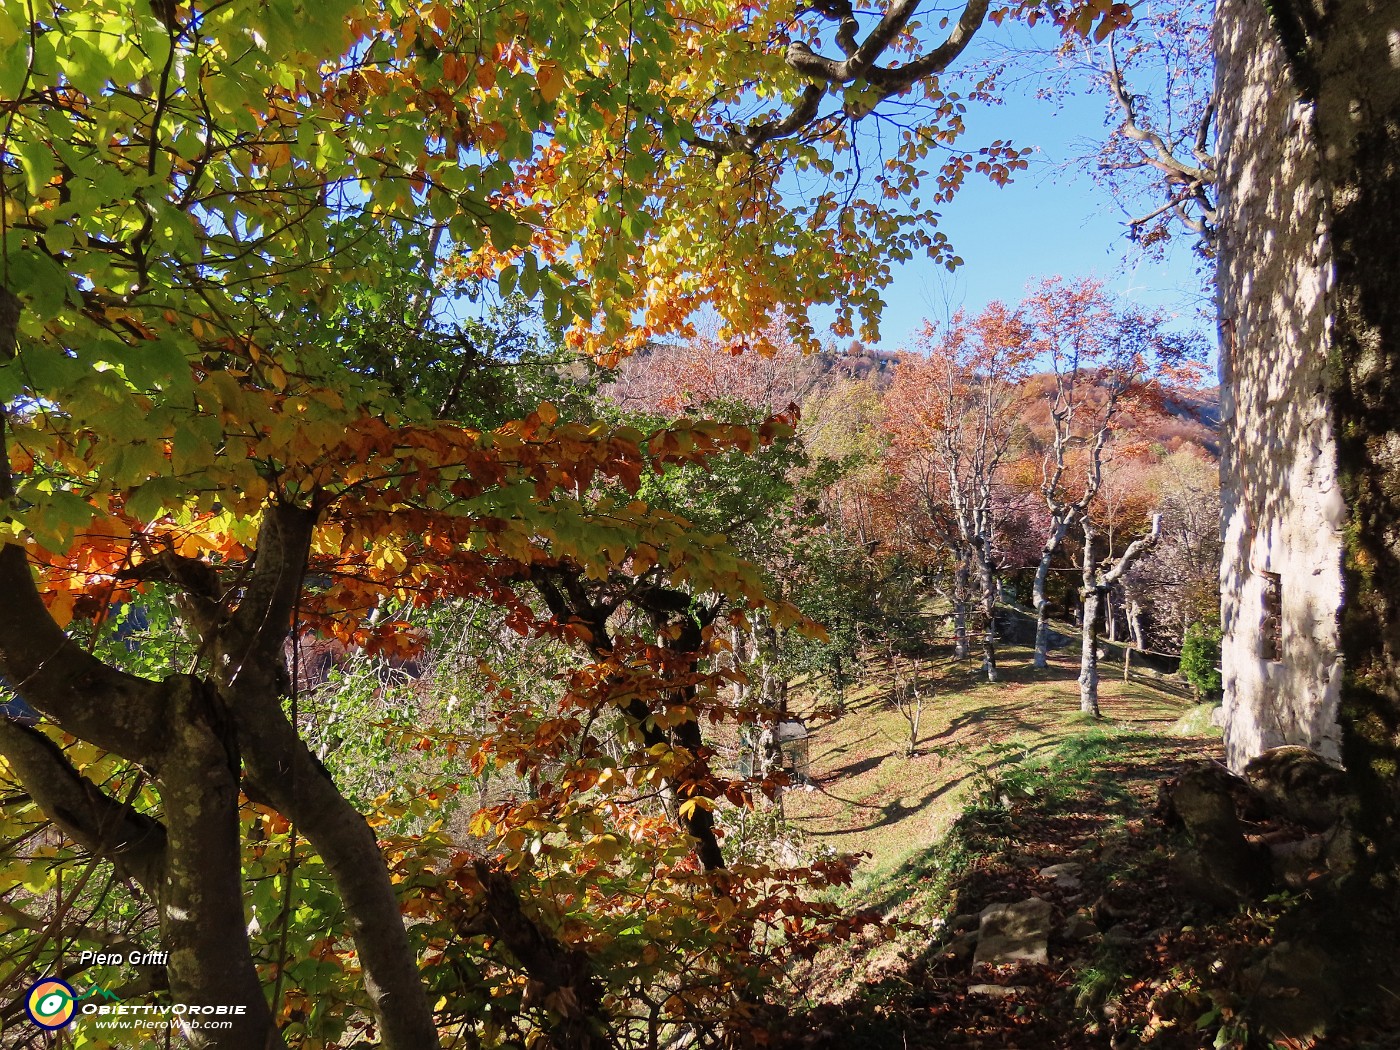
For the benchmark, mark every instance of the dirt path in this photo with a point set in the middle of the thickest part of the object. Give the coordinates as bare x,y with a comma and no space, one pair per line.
1009,782
1117,924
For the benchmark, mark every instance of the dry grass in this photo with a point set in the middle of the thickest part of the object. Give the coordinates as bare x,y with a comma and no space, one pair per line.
871,796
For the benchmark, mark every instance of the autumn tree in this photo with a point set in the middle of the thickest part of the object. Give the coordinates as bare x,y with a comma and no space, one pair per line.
1127,497
1180,584
953,413
842,425
207,213
674,378
1104,359
1099,576
192,205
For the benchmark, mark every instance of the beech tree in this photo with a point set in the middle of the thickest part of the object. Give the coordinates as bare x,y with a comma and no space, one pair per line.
953,416
1104,359
200,207
1099,576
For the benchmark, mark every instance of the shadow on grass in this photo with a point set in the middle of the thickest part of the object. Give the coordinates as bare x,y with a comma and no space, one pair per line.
891,812
1049,776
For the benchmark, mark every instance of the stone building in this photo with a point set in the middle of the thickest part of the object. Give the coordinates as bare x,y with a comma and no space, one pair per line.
1310,326
1283,507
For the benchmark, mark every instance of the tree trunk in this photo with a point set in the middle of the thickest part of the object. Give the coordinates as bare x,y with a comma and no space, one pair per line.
1089,657
1042,612
1135,623
962,585
556,971
1088,634
202,921
1096,584
839,680
989,613
1038,595
1358,127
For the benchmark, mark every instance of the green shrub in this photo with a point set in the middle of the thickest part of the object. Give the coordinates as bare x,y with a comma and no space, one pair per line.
1200,658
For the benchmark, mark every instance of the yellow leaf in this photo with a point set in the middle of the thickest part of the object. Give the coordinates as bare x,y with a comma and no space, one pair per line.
550,80
481,825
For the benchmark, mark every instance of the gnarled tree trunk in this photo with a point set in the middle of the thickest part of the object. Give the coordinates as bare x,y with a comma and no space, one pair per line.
1097,581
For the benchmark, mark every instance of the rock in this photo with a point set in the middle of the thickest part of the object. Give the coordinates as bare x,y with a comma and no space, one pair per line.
966,921
1300,785
1249,804
1342,849
1081,927
997,991
1119,936
1296,863
1014,933
1225,868
1066,875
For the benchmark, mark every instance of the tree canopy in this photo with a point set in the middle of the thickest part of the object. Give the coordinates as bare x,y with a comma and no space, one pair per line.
235,239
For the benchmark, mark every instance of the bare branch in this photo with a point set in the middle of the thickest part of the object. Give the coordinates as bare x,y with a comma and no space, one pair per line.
859,64
106,828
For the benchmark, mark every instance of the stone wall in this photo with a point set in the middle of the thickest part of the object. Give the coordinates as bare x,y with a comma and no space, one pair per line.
1283,510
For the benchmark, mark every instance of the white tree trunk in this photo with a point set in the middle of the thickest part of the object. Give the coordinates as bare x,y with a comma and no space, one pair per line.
1042,611
1097,583
961,586
1089,636
989,609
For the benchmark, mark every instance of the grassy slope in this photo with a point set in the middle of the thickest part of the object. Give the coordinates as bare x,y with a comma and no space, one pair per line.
1061,788
1009,779
870,797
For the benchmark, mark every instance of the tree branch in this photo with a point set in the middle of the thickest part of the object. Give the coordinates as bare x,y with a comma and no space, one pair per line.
859,64
1137,549
116,711
106,828
564,977
282,770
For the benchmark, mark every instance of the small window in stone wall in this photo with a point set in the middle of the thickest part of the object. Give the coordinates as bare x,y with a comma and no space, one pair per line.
1271,630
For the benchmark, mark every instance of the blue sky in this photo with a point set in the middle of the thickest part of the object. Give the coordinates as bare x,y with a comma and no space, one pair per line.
1049,220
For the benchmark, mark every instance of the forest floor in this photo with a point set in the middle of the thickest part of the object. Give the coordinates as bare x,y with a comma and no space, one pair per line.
1006,781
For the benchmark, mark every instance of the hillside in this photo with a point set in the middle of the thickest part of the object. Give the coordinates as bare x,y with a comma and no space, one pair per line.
1014,801
869,796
